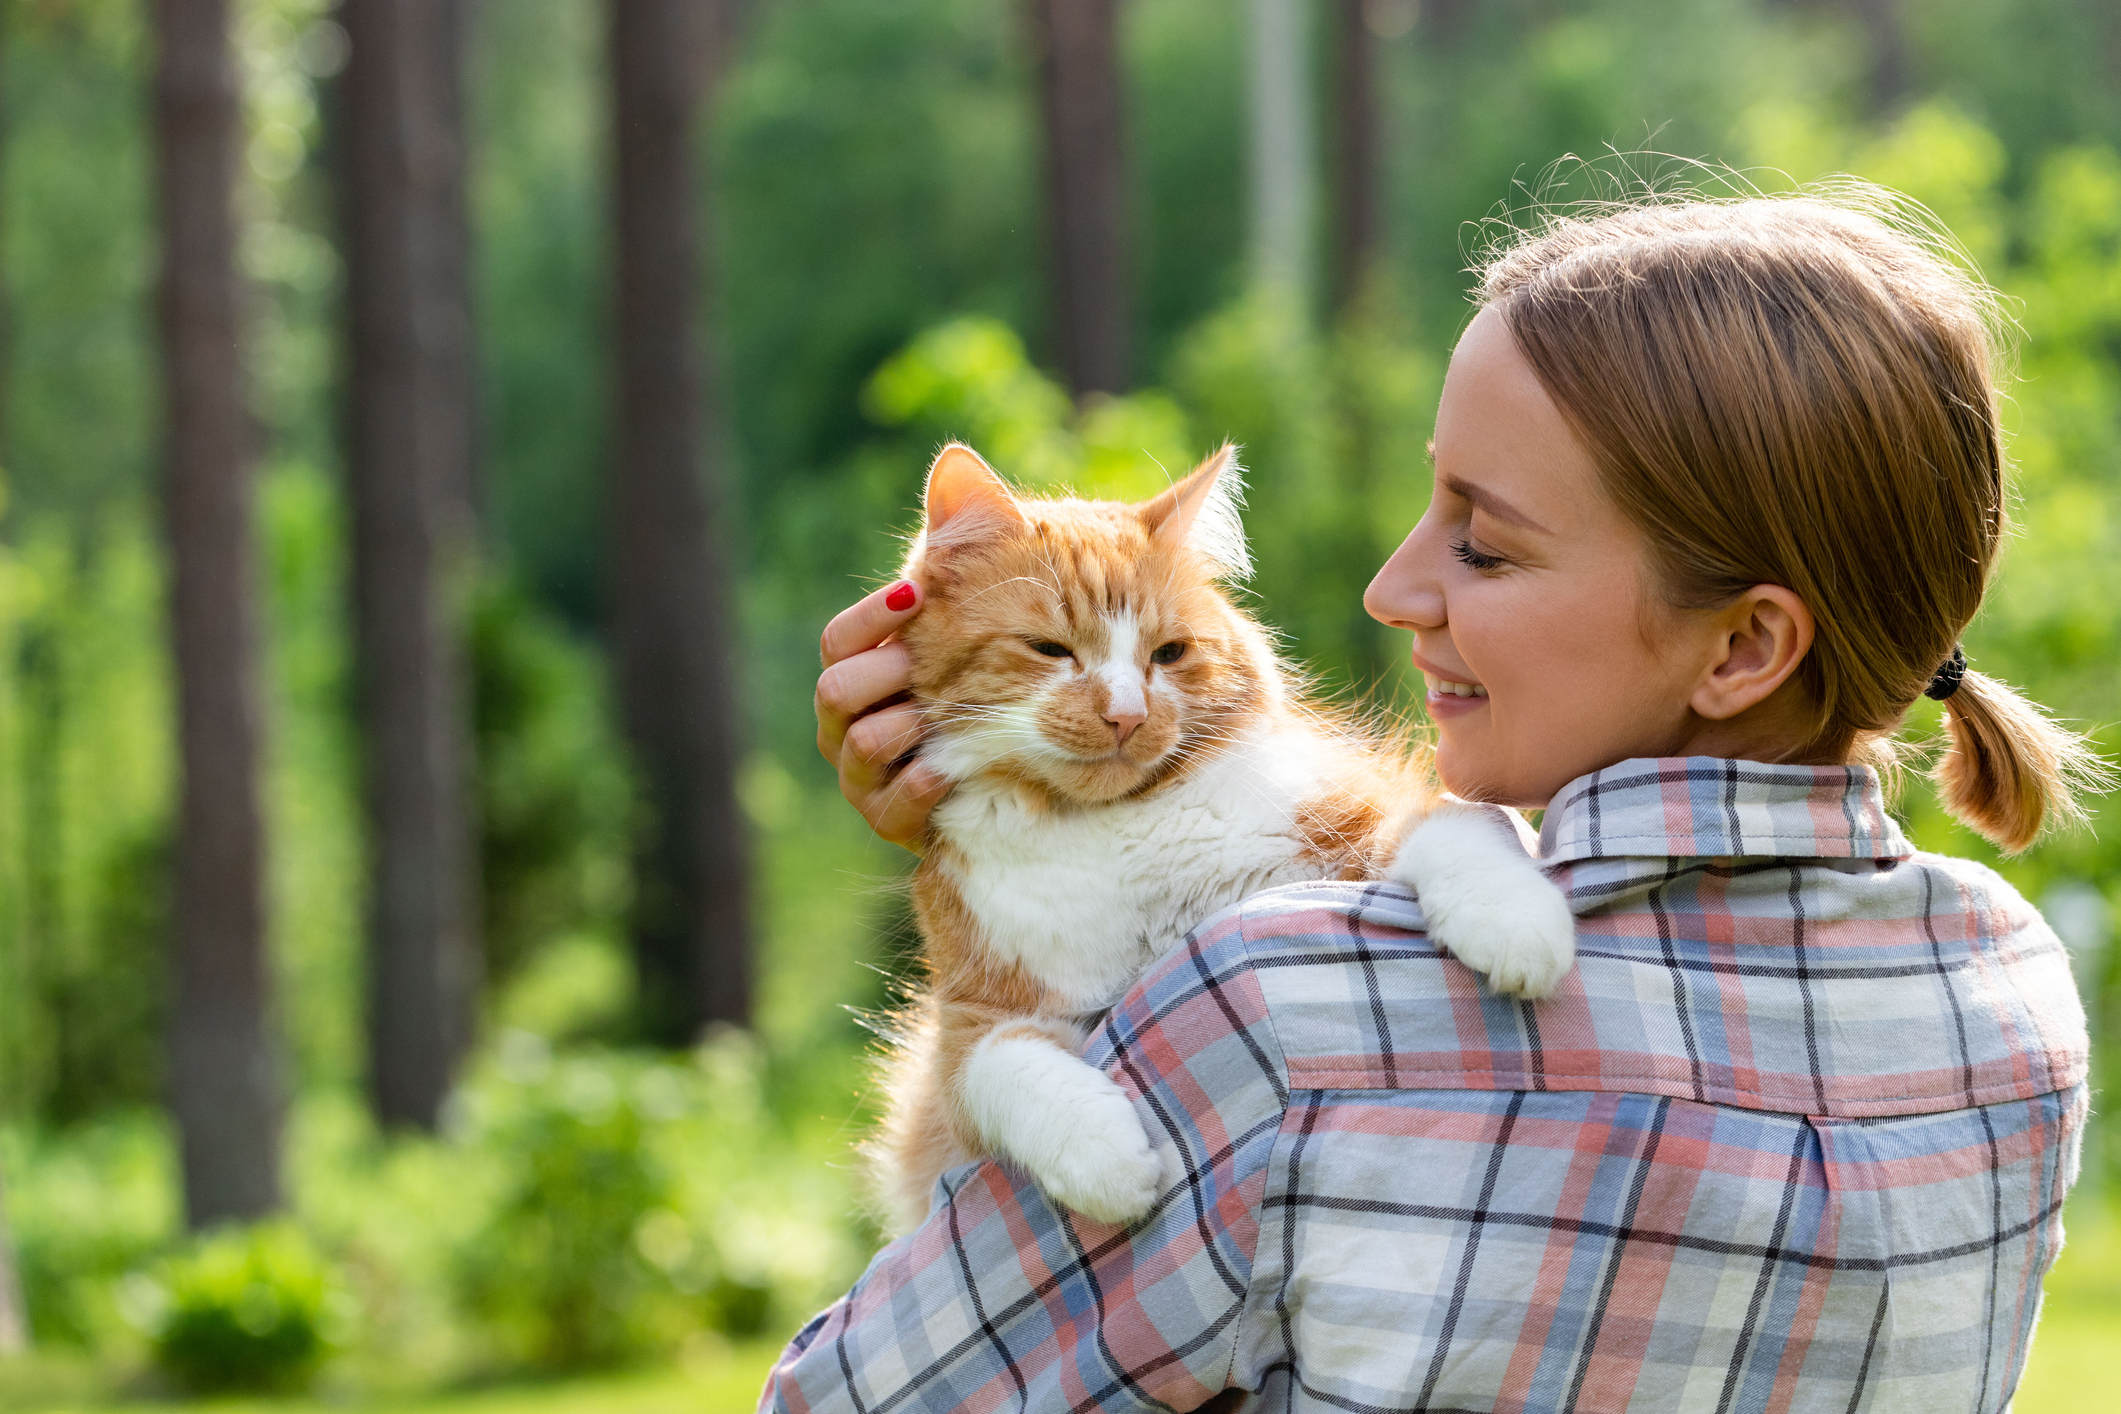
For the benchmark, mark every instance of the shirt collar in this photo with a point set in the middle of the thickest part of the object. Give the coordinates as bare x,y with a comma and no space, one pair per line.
1701,806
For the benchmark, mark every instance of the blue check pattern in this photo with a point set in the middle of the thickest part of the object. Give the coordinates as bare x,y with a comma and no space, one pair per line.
1794,1135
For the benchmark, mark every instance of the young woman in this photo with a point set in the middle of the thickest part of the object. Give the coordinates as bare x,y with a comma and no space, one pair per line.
1717,488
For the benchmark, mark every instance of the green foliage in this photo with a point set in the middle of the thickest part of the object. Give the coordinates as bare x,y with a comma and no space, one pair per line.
583,1210
554,794
87,1207
611,1236
559,1270
74,193
537,114
84,747
243,1308
970,378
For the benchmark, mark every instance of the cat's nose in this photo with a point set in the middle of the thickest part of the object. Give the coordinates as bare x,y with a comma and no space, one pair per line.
1124,723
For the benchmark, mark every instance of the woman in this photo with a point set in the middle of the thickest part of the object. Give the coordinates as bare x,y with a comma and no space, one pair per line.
1717,488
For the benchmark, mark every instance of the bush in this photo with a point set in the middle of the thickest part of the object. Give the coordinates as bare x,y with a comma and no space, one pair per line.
554,794
244,1309
575,1266
88,1205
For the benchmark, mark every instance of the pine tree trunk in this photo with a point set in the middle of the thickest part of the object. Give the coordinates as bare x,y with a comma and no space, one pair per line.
409,477
1077,44
1883,27
1444,22
224,1078
672,621
1357,214
1279,100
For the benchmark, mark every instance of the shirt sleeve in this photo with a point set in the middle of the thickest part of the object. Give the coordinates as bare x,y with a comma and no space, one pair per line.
1003,1300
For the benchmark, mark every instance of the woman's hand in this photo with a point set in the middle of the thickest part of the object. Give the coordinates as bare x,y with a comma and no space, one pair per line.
866,727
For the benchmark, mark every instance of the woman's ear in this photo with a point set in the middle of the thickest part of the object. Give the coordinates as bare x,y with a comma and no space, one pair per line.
1760,638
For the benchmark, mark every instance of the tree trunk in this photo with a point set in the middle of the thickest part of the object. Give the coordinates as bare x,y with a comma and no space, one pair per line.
671,618
1444,22
409,476
223,1066
1281,158
1888,44
1357,217
1077,43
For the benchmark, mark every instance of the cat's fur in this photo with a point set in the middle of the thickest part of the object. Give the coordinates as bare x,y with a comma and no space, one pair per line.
1073,852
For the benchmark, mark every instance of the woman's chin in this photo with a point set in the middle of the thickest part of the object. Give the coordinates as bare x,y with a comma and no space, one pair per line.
1463,770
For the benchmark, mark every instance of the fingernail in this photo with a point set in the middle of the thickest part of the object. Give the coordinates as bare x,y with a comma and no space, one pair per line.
900,598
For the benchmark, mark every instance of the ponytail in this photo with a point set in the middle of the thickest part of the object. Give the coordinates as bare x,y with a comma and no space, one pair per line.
2010,768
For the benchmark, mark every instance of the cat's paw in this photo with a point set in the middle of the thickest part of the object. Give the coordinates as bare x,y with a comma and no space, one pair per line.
1488,905
1518,933
1065,1122
1108,1173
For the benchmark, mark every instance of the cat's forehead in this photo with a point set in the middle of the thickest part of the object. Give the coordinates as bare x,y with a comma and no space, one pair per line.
1076,558
1109,526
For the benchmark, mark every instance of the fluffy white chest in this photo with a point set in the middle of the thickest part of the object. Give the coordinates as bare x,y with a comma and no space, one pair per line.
1084,899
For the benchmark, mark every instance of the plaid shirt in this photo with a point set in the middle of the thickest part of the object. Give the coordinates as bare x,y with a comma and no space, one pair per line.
1793,1135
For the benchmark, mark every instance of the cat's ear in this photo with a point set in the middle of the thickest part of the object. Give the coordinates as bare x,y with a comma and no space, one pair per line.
1201,512
966,502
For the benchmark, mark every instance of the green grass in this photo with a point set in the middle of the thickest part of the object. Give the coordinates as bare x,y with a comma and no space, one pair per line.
725,1380
2075,1366
2076,1362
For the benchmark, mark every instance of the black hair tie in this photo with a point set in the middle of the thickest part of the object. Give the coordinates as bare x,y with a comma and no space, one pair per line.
1945,681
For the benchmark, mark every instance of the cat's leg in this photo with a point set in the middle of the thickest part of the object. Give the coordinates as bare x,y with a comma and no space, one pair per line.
1486,901
1029,1097
918,1140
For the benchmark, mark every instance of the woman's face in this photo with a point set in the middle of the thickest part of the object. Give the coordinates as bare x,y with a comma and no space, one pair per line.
1528,595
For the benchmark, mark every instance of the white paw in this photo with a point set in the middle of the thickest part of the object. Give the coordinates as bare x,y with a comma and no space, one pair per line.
1521,936
1107,1172
1066,1123
1487,904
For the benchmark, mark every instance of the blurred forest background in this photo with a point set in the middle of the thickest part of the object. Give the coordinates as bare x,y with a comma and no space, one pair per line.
483,1003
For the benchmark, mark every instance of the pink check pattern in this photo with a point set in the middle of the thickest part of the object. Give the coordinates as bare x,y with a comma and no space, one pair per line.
1794,1135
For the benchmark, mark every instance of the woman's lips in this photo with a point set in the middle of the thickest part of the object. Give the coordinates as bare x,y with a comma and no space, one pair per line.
1442,703
1448,695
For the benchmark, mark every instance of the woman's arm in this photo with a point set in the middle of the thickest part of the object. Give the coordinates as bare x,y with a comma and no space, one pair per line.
866,727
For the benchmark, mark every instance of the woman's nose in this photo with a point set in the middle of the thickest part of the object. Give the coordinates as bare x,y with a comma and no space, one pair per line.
1404,593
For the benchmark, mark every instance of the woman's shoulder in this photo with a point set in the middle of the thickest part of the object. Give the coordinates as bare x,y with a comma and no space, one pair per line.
1859,986
1979,887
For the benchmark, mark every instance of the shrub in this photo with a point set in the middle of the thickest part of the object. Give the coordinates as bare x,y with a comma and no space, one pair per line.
554,795
573,1267
243,1309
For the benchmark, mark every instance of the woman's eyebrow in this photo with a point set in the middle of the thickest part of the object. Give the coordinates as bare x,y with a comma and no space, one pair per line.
1494,505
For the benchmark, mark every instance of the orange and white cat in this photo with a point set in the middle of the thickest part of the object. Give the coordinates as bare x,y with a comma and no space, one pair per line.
1129,758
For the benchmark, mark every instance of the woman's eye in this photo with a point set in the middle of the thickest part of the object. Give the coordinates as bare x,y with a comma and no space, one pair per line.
1169,653
1053,650
1465,551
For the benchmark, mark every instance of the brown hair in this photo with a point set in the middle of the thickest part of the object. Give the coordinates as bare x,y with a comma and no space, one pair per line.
1800,391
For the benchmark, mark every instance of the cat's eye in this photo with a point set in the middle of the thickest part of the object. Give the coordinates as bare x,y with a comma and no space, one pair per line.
1168,654
1052,649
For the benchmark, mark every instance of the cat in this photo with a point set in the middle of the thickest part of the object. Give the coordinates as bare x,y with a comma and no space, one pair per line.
1129,757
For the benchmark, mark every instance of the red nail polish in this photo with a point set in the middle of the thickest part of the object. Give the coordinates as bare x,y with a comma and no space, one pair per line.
899,599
